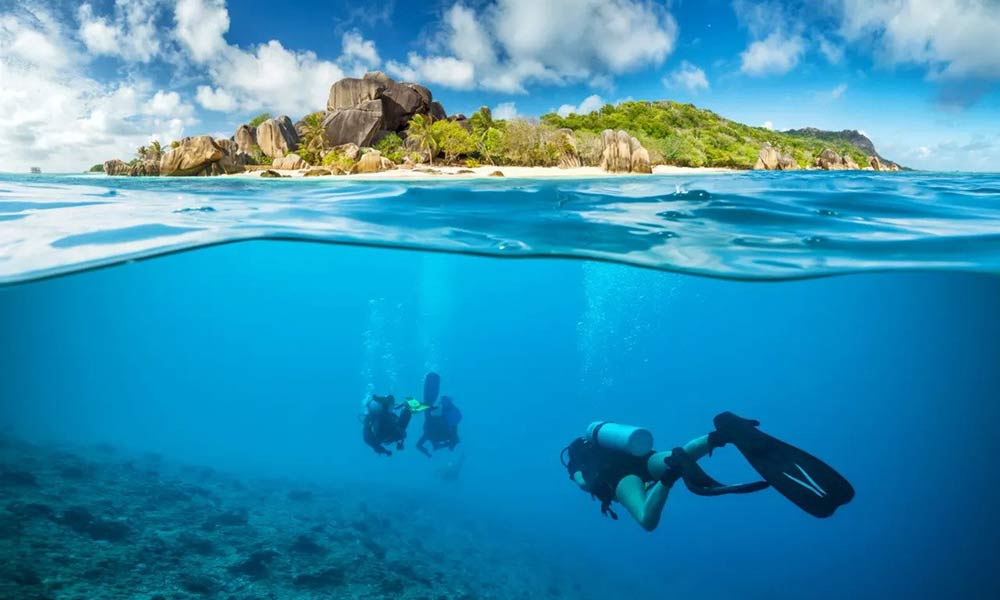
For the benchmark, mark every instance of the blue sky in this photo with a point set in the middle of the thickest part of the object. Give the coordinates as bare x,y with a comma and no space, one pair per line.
82,82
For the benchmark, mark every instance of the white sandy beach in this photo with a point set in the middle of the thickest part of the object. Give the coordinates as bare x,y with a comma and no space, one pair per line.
433,173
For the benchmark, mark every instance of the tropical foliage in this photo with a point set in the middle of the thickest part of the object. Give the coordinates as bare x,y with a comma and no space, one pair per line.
259,119
311,138
391,147
419,130
682,134
452,139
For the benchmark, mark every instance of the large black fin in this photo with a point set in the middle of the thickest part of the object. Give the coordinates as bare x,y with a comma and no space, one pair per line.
807,481
432,385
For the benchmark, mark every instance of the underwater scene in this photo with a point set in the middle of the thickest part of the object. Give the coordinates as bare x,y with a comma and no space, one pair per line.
195,382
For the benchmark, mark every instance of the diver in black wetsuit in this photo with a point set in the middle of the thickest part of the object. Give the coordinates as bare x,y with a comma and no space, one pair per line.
441,426
616,463
383,426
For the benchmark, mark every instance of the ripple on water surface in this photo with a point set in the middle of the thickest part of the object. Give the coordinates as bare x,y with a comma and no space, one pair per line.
738,225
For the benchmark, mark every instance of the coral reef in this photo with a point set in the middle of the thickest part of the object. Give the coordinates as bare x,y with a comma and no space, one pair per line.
100,524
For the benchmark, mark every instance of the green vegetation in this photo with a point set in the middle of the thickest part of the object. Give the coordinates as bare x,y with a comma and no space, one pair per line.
99,168
452,139
682,134
259,119
391,147
258,157
420,132
339,160
312,138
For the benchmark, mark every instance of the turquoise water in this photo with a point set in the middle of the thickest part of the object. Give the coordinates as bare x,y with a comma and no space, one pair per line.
201,408
740,225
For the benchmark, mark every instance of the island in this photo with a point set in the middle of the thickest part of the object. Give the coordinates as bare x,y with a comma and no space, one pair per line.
374,124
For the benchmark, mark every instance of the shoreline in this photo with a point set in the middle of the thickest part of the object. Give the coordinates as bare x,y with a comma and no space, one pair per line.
427,173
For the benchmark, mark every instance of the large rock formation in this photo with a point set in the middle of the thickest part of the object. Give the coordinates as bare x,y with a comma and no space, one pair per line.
875,164
373,162
290,162
245,138
351,151
277,137
352,92
850,165
770,159
622,153
362,111
569,155
136,168
120,167
829,160
200,155
357,125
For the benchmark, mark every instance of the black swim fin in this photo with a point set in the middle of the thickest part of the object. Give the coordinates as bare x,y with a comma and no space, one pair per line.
808,482
432,385
682,466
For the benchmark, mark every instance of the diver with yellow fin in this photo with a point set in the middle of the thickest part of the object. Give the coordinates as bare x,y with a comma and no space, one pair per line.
385,422
616,462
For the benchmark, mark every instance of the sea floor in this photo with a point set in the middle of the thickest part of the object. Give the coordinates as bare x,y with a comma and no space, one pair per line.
95,523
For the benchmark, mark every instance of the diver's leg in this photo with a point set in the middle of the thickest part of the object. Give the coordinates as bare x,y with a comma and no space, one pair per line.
644,506
697,449
420,446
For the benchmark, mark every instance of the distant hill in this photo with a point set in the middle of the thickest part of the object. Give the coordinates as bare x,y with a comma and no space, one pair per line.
685,135
850,136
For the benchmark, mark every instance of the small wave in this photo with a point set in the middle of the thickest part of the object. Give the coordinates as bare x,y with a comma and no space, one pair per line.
738,225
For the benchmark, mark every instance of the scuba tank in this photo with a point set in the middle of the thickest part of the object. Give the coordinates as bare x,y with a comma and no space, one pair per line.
623,438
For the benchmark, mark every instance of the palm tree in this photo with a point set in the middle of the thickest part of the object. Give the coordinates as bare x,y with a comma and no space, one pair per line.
420,132
312,138
155,151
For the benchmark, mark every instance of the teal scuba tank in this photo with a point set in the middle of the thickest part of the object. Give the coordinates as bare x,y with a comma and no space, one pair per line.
623,438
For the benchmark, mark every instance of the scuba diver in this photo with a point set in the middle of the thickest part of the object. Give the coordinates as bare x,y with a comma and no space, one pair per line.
441,429
441,420
381,425
616,462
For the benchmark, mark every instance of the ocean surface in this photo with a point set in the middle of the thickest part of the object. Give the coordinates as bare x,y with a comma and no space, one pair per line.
187,426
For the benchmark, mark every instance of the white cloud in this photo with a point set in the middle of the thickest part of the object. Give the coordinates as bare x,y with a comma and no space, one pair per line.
774,55
441,70
40,44
267,76
56,117
201,27
588,105
168,104
504,111
838,92
215,99
833,53
358,54
952,38
923,152
97,33
768,125
131,33
508,44
687,77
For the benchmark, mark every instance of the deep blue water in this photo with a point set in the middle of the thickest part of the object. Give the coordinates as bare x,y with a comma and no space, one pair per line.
255,358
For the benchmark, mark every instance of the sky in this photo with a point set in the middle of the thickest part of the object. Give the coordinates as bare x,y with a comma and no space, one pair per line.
84,82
